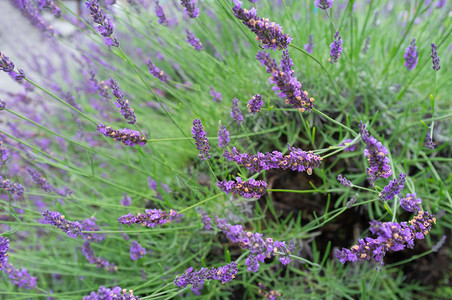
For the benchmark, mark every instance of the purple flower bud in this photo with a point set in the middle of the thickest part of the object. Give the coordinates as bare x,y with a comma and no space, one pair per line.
5,64
73,229
191,9
255,104
106,26
40,180
248,189
4,246
90,225
223,137
352,201
194,41
160,14
428,143
216,96
126,111
335,48
21,277
136,251
156,71
126,200
200,136
344,181
50,5
435,58
150,219
393,188
411,203
411,56
323,4
236,113
308,47
99,261
347,142
126,136
104,293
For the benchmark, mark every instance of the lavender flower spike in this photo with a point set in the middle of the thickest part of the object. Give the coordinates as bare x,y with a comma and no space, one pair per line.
151,219
393,188
235,112
223,137
126,136
435,58
12,187
106,26
39,180
202,143
344,181
5,64
255,104
104,293
99,261
4,246
136,251
308,47
216,96
248,189
156,71
2,104
160,14
323,4
268,33
191,9
73,229
411,56
411,203
21,277
123,104
428,143
194,41
335,48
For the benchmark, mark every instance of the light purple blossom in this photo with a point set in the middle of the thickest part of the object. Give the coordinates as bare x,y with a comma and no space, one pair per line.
236,114
344,181
126,200
323,4
200,136
4,246
347,142
106,26
160,14
248,189
100,262
190,8
216,96
255,104
335,48
12,187
104,293
156,72
20,277
223,137
136,251
40,180
393,188
126,136
411,203
150,219
411,56
123,104
194,41
90,225
73,229
206,221
308,47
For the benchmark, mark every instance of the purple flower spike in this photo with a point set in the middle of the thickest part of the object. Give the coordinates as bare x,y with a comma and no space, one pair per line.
106,26
411,203
126,136
393,188
255,104
39,180
2,104
206,221
236,114
12,187
200,136
104,293
21,277
344,181
73,229
150,219
50,5
435,58
335,48
216,96
126,200
411,56
308,47
5,64
123,104
223,137
352,201
156,71
90,225
136,251
248,189
4,246
190,8
428,143
194,41
376,155
268,33
347,142
99,261
323,4
160,14
197,278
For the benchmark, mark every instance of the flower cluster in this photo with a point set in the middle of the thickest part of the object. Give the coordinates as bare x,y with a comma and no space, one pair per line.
206,221
50,5
308,47
12,187
90,225
194,41
323,4
268,33
236,114
99,261
136,251
73,229
297,160
435,58
126,200
7,66
287,86
255,104
21,277
197,278
190,8
376,155
104,293
428,143
39,180
411,56
393,188
344,181
248,189
151,218
335,48
160,14
106,26
411,203
260,248
349,148
101,87
352,201
156,72
223,137
126,111
216,96
4,246
390,236
202,143
126,136
2,104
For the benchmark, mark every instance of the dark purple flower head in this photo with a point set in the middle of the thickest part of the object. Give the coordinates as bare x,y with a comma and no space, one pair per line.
21,277
99,261
216,96
160,14
156,71
236,114
126,136
248,189
323,4
335,48
287,86
2,104
4,246
197,278
308,47
12,187
347,142
126,200
5,64
411,56
268,33
123,104
376,155
194,41
73,229
106,26
255,104
200,136
40,180
136,251
223,137
190,8
435,58
352,201
206,221
90,225
50,5
428,143
150,219
393,188
104,293
411,203
344,181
